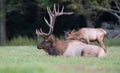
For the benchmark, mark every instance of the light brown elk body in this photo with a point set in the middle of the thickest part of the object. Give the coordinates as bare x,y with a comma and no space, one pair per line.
88,35
77,48
54,46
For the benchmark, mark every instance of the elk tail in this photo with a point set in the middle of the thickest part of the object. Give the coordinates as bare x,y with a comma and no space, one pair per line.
104,31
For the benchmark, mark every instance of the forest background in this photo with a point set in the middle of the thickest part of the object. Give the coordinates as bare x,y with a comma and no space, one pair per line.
20,18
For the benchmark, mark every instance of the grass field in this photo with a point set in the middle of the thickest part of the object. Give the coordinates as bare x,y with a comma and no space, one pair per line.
28,59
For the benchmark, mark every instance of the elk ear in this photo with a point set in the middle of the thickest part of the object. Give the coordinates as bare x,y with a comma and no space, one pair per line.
70,32
51,38
67,32
73,31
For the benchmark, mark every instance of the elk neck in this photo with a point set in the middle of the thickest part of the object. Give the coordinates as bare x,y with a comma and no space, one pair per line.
60,45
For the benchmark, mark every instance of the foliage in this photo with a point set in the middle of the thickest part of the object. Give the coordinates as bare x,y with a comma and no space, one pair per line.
24,16
24,40
21,40
28,59
86,6
45,3
112,42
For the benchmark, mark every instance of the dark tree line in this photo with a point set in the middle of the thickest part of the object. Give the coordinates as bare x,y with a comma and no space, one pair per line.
22,17
29,16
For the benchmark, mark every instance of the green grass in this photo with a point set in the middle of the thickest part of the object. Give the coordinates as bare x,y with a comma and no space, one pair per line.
28,59
111,42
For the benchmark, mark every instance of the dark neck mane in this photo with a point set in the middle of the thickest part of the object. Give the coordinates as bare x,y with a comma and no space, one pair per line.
57,48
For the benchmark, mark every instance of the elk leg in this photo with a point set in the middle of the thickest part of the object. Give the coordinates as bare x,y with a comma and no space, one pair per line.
86,40
102,44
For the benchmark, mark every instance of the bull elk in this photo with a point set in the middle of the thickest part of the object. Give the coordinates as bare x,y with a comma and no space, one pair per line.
88,35
54,46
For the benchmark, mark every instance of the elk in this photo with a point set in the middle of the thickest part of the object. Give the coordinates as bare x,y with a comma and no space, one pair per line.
88,35
51,44
54,46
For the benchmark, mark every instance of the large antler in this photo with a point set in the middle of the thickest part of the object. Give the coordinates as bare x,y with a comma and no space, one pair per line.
52,14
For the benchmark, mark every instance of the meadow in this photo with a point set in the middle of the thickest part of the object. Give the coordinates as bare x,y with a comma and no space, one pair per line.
28,59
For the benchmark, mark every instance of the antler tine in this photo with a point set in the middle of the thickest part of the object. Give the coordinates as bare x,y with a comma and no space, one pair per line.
46,21
41,33
45,34
58,13
49,11
68,13
62,9
58,9
38,32
54,9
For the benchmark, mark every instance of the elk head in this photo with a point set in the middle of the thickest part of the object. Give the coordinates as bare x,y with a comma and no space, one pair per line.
48,45
70,35
74,35
49,40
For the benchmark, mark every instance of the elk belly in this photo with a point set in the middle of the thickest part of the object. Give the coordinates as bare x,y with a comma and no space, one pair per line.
73,49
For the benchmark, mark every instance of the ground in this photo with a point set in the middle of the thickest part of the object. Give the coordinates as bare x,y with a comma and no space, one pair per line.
28,59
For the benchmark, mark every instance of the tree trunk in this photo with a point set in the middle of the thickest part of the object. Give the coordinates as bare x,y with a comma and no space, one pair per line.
2,23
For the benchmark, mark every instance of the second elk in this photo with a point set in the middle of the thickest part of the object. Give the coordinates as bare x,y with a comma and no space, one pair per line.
88,35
